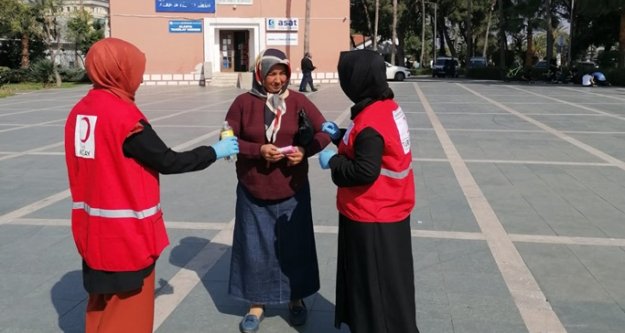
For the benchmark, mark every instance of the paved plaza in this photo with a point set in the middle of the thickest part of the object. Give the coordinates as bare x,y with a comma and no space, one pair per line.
519,224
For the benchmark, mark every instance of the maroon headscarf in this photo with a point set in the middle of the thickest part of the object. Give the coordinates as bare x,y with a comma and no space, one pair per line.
117,66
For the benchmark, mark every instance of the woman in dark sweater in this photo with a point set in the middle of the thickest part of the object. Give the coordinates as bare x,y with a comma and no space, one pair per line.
274,259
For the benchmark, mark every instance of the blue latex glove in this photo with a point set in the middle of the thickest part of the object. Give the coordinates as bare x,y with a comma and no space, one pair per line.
324,158
332,129
226,147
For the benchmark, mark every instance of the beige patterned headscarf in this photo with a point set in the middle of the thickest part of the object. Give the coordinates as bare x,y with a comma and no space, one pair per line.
275,103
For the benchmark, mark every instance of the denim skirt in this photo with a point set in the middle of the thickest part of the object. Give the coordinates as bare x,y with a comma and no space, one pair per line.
274,259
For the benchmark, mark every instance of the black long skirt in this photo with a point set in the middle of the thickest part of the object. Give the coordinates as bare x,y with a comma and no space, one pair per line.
375,279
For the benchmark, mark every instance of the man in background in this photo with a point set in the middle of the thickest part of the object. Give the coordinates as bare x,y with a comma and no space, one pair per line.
307,68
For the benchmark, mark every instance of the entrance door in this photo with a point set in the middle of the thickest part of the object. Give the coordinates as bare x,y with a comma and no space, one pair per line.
226,39
241,55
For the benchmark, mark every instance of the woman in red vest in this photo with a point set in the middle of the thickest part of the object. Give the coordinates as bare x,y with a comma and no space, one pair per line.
373,172
114,158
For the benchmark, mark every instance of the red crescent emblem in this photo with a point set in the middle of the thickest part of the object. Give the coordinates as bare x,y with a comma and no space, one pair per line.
88,131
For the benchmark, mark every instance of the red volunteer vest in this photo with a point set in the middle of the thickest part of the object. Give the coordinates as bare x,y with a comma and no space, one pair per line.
392,196
117,221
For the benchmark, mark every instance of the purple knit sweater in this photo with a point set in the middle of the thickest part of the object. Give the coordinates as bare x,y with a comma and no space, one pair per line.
272,181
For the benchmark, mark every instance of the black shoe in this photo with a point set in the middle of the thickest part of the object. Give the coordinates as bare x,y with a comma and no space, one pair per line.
298,314
303,90
314,89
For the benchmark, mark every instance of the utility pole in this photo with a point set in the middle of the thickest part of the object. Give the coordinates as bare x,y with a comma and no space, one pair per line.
307,28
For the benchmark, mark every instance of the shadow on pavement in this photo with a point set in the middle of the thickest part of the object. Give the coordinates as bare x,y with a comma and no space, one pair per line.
215,281
69,299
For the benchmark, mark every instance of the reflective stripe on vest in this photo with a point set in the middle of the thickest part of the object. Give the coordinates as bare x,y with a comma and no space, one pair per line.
117,213
395,174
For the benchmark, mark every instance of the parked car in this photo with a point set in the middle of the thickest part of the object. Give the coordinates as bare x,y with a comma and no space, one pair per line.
586,66
445,66
397,73
541,64
477,62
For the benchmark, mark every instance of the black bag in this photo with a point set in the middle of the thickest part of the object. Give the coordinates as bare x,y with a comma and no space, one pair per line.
305,132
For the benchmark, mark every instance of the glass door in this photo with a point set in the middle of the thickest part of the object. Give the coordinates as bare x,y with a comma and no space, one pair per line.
226,42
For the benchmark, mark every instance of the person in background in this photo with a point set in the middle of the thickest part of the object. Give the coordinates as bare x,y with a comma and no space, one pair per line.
588,80
307,68
113,159
554,71
600,79
274,259
373,172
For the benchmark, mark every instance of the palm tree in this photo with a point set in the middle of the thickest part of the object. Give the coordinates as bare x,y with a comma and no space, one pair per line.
394,32
490,15
422,33
368,18
548,23
21,22
375,27
469,39
590,8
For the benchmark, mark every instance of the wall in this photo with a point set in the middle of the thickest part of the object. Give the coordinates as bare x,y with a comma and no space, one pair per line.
178,57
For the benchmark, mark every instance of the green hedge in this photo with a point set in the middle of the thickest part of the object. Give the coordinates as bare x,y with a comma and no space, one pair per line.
421,71
484,73
18,75
5,73
41,71
74,75
616,76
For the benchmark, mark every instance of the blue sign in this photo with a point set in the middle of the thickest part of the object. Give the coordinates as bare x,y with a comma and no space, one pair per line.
185,26
187,6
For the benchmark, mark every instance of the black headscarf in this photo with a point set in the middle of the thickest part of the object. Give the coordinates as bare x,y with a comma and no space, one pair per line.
362,75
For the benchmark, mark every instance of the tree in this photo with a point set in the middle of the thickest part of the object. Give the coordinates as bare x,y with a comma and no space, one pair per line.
609,18
394,32
78,28
488,22
19,20
48,11
376,25
84,31
469,29
422,57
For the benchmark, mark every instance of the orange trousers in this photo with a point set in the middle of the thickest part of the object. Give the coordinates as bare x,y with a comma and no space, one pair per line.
123,312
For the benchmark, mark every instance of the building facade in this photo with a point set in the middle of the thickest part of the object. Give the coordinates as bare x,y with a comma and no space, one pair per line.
183,39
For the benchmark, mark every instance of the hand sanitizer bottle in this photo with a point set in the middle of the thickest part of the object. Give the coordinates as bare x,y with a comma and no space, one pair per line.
227,131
